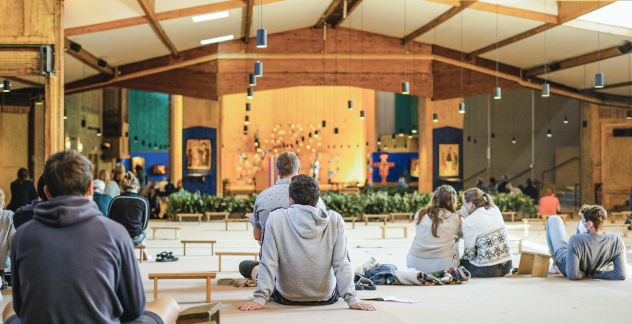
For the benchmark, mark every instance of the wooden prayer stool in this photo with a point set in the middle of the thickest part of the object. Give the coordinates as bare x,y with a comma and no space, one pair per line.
255,254
407,215
519,240
405,227
383,217
212,243
177,229
141,248
184,275
510,214
613,216
200,314
536,264
347,191
223,215
227,220
352,219
526,228
623,226
199,217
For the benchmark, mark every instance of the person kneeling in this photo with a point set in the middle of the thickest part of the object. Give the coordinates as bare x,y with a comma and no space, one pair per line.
304,254
585,254
72,265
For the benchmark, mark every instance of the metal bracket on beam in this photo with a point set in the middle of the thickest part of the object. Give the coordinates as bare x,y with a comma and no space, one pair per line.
47,59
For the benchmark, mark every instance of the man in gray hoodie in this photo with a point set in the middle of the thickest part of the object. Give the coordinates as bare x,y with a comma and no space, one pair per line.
305,235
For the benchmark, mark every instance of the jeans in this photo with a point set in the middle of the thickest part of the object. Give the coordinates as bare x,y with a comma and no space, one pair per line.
146,318
629,221
282,300
496,270
557,241
245,268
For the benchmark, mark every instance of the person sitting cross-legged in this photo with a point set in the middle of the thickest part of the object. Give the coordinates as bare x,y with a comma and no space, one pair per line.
71,265
304,254
585,254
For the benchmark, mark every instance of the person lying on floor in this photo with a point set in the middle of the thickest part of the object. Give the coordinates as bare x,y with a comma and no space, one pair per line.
302,243
585,254
487,252
72,265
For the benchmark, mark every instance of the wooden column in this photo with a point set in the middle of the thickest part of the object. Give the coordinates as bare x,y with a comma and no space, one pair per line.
175,139
586,171
425,150
54,87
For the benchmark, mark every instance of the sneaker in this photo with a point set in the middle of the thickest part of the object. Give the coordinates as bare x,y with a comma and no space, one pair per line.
554,269
369,264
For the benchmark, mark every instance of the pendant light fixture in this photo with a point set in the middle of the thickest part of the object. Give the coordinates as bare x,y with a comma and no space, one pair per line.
414,129
546,89
135,139
245,129
262,34
629,114
250,93
316,134
513,140
6,86
462,108
548,133
324,123
350,104
513,121
405,84
599,78
565,120
252,80
65,114
40,99
362,114
258,69
248,107
462,104
435,118
497,91
401,132
410,134
393,136
247,121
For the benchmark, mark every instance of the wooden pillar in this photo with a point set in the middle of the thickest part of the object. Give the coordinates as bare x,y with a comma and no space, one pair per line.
54,87
586,171
175,139
219,147
425,147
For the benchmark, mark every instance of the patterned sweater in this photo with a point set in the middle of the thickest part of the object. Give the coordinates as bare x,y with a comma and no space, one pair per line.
485,238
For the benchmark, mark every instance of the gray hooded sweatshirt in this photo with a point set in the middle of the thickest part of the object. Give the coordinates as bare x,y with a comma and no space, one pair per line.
305,249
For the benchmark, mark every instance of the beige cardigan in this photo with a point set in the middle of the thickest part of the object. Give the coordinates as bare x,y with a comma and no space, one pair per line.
427,246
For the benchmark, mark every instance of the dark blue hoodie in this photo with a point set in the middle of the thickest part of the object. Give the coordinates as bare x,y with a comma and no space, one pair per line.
72,265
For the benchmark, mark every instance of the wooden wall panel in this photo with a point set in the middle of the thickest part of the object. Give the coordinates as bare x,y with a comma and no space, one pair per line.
28,21
19,61
14,147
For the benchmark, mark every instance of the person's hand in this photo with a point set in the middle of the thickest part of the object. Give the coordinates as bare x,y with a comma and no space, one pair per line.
252,306
360,306
249,217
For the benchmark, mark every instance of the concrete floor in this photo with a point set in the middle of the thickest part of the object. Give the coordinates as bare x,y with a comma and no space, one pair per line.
519,299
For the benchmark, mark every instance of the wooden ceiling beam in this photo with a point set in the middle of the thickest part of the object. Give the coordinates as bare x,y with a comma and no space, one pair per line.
580,60
23,81
438,21
503,10
86,57
247,22
566,11
611,86
350,9
148,7
334,4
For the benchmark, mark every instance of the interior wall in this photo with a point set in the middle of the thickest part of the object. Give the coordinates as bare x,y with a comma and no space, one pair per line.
86,106
14,149
342,157
512,116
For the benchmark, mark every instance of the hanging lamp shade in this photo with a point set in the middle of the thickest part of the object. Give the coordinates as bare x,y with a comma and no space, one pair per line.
40,100
513,140
248,107
462,108
497,93
65,113
393,136
336,130
435,118
247,121
252,80
245,129
379,142
410,134
414,129
548,133
493,136
262,38
546,90
310,134
6,86
324,123
599,81
135,139
99,132
350,104
251,93
258,69
315,133
405,88
629,114
469,138
362,114
474,141
401,132
565,120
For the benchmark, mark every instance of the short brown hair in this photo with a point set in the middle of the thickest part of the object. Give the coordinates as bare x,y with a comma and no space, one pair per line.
1,196
287,164
68,173
595,214
304,190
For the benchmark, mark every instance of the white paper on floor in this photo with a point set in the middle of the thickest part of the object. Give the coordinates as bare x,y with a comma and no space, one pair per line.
394,299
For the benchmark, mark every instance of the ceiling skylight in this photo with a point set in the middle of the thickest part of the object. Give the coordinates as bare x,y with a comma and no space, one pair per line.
216,39
211,16
616,14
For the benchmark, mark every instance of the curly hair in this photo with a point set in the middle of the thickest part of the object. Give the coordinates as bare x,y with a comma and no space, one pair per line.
595,214
130,182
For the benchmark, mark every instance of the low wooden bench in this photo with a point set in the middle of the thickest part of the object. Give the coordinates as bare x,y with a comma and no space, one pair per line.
212,243
199,217
623,226
384,227
535,264
347,191
224,215
407,215
255,254
383,217
510,214
525,227
519,241
228,220
184,275
613,216
200,314
141,248
177,229
545,217
352,219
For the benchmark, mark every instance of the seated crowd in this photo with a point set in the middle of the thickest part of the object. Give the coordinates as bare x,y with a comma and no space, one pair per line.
300,239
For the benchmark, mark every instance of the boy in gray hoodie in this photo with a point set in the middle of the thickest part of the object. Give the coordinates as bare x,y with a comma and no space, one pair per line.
305,235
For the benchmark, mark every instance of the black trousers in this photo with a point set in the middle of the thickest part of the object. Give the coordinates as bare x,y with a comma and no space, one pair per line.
498,270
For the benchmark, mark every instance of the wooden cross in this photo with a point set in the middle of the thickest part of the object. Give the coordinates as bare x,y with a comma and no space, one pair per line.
384,167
